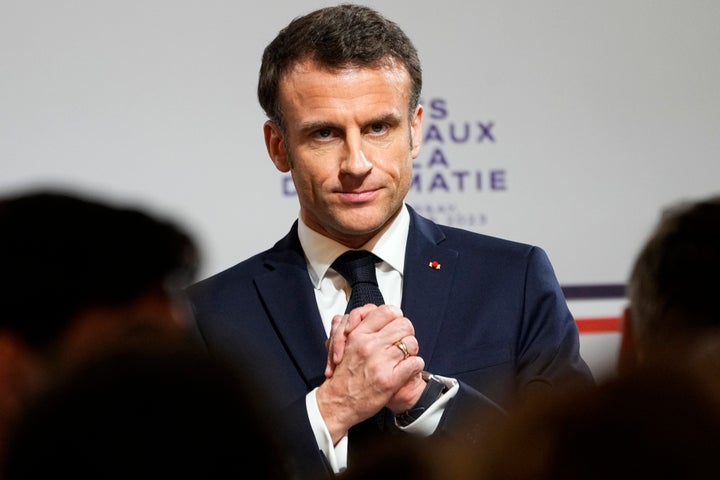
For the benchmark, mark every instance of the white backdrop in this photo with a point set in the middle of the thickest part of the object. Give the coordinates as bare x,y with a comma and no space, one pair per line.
567,124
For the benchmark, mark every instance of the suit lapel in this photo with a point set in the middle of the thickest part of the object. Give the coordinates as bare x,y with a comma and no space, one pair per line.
288,295
427,281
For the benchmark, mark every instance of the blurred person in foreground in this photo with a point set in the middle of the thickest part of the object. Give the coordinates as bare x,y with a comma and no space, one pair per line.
80,276
652,422
673,311
160,409
466,322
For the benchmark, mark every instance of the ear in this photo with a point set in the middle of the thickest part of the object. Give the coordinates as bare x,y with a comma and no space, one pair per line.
627,354
275,144
416,131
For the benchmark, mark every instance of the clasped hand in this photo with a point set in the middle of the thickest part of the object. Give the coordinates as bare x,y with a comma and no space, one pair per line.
365,370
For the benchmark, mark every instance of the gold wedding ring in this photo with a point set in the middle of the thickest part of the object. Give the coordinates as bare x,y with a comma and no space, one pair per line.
403,348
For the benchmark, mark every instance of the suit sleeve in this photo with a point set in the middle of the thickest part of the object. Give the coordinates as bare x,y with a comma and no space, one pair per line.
548,346
306,459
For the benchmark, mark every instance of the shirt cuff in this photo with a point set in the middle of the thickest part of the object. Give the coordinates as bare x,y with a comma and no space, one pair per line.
336,454
427,423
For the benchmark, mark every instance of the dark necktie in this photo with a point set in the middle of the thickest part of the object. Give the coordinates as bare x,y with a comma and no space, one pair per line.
358,268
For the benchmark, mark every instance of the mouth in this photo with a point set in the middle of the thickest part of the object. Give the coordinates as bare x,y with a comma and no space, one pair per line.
359,196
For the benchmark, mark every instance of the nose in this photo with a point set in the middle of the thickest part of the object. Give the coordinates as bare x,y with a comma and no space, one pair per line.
354,161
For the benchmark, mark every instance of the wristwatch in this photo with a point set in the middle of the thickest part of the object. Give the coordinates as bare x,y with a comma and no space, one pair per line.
434,389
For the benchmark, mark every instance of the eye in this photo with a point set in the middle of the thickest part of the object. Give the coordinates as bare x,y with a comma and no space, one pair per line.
323,133
378,128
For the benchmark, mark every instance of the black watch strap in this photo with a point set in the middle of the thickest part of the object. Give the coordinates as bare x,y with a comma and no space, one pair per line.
433,390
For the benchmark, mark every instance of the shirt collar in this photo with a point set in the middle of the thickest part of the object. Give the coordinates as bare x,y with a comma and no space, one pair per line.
388,244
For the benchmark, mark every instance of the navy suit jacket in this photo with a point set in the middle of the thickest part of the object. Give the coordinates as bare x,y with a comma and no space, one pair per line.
492,315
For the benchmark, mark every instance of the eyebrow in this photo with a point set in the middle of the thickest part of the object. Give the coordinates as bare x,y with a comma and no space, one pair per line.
315,125
389,118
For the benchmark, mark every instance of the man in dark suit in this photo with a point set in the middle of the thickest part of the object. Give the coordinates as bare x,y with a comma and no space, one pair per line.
469,323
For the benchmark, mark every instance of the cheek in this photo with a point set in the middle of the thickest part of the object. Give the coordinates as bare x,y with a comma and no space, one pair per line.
310,175
405,177
402,163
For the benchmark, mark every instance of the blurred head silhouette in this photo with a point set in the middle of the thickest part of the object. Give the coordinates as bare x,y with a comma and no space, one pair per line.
673,312
80,275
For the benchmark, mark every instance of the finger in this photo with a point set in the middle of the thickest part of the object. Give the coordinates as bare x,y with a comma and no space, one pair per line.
407,395
400,345
338,339
376,318
405,347
335,324
410,367
356,316
397,330
336,320
341,326
335,343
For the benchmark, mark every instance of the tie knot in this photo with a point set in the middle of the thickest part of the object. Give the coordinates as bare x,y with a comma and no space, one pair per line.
356,266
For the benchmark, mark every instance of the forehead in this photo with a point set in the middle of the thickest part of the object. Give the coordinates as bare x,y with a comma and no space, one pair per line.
309,85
